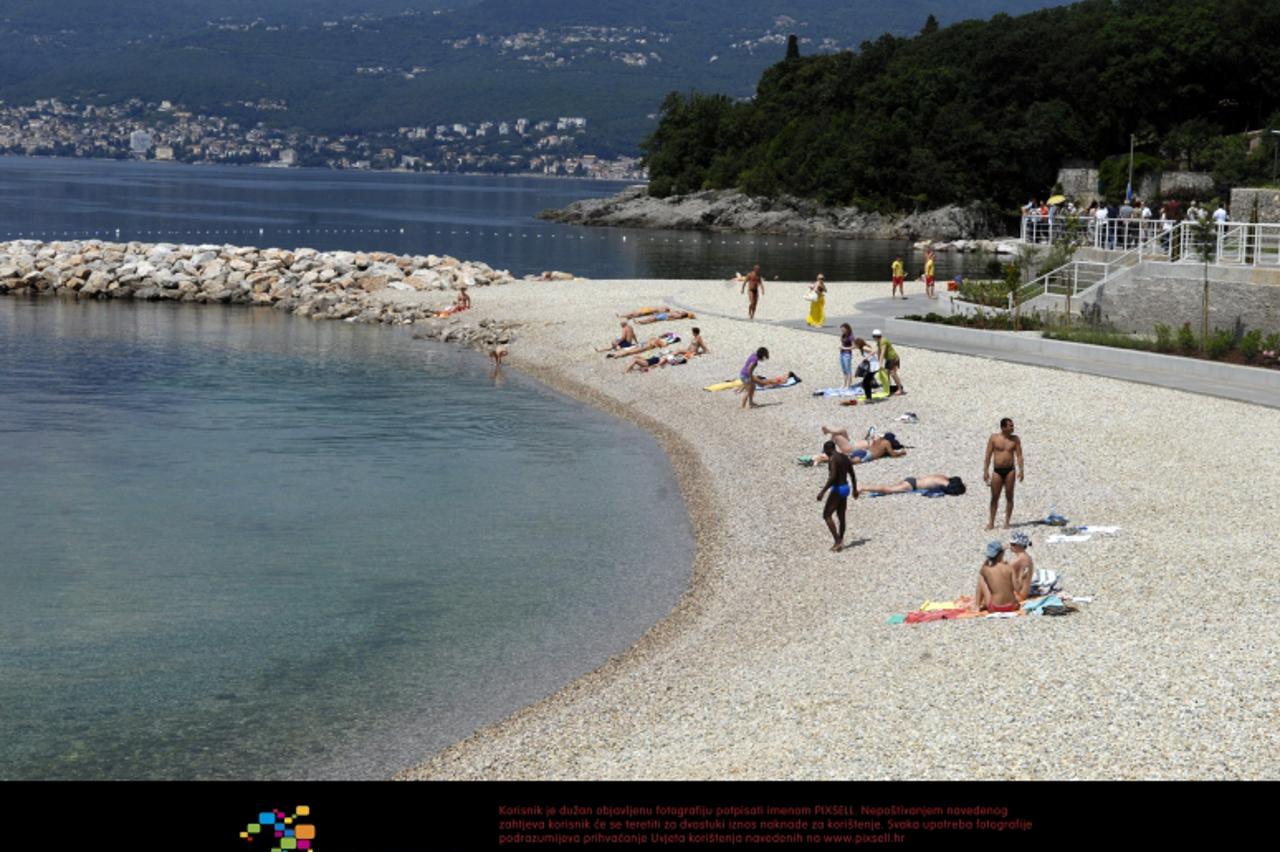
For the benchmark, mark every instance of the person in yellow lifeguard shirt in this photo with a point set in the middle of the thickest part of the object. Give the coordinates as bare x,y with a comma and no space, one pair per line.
899,276
929,260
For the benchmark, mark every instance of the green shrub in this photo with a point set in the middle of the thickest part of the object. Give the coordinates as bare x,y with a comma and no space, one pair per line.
1219,343
1272,343
1251,345
661,187
1099,337
1164,338
981,319
994,294
1187,338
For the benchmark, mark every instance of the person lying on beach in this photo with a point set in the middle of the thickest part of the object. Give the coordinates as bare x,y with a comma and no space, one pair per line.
996,583
773,381
932,482
863,450
652,343
640,312
644,363
665,315
626,341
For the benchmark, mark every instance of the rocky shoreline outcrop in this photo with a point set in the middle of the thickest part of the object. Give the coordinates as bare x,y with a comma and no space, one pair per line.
363,287
729,210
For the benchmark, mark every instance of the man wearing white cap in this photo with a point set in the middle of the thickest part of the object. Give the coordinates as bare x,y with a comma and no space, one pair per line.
1022,565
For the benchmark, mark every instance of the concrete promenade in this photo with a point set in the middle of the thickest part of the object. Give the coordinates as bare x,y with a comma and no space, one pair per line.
1255,385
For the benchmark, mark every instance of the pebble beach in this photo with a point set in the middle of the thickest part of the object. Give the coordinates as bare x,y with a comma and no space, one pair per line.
779,662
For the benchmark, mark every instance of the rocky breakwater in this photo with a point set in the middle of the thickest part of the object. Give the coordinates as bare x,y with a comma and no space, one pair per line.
364,287
729,210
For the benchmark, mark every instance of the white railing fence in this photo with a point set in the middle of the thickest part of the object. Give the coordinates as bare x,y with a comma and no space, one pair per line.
1234,243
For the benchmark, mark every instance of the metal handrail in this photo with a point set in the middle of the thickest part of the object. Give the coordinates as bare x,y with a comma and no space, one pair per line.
1068,278
1236,244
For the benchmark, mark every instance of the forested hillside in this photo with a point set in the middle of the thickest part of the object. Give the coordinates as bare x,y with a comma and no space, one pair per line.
987,109
366,65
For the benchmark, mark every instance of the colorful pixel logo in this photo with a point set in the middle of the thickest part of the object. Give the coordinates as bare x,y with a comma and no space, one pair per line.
286,831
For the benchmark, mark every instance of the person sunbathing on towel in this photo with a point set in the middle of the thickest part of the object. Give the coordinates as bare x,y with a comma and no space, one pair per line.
659,309
763,382
997,581
861,451
644,363
665,315
932,482
626,341
652,343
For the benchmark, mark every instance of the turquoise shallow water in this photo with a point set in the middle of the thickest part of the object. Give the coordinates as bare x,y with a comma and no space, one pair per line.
238,544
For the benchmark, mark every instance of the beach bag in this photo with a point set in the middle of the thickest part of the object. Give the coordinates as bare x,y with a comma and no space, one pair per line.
1045,582
811,296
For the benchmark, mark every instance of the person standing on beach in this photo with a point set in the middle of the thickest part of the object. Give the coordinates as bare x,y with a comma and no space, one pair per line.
818,305
1003,449
899,276
749,378
929,263
846,354
755,284
841,482
889,361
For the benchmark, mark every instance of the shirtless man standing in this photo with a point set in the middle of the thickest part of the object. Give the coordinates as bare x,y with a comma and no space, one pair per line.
842,482
995,591
755,284
1003,448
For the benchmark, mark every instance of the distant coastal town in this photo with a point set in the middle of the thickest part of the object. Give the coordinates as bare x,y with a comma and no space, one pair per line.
166,131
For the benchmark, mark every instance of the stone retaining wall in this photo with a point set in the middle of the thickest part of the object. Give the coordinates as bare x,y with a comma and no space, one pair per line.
1171,294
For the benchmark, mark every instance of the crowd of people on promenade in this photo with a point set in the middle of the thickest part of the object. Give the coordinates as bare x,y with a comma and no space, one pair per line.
1112,224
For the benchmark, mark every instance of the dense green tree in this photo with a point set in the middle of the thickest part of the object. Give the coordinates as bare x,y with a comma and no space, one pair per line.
990,109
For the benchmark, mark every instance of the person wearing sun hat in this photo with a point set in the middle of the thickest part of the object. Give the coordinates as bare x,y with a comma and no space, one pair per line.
995,591
1022,564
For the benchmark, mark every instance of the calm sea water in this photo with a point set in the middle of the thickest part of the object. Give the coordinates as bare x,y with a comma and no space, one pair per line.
243,544
470,217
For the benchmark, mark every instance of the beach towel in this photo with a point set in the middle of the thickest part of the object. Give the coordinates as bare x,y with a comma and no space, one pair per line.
959,609
1059,538
851,393
1092,530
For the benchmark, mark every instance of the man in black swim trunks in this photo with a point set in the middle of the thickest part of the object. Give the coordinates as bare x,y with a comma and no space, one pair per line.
841,481
1003,449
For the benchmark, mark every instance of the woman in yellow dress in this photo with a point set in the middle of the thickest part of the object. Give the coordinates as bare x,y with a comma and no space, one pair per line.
818,305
